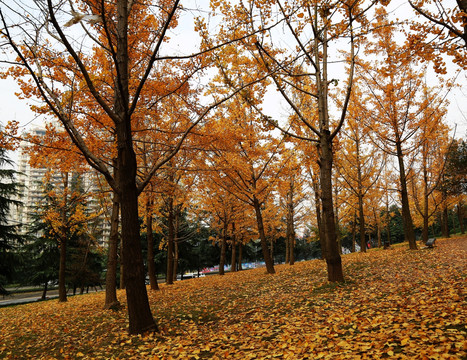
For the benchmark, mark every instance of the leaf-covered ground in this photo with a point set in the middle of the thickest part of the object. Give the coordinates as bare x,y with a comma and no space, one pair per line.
395,304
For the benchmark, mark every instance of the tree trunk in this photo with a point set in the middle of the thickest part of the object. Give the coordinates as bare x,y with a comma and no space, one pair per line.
290,234
378,229
176,255
445,222
140,316
460,216
170,243
240,254
406,217
336,217
44,292
361,220
262,236
176,243
233,262
319,220
425,197
354,232
62,272
150,239
223,245
333,258
111,300
63,243
122,266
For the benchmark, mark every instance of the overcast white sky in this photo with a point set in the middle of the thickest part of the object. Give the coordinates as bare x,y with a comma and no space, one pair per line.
12,108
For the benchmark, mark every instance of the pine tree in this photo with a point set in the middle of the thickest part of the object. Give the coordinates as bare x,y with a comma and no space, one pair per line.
9,237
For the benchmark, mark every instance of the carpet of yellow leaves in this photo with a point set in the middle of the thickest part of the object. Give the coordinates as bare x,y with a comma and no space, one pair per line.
395,304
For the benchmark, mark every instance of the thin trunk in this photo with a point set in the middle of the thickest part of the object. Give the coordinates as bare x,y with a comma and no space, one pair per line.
361,221
336,217
460,216
378,229
319,220
292,250
170,243
290,235
425,199
233,262
240,254
271,248
262,236
445,223
111,300
150,238
176,255
388,222
44,292
176,244
406,217
354,232
223,246
63,243
122,266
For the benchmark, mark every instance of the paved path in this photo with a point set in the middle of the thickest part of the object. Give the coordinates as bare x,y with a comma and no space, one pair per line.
28,297
25,297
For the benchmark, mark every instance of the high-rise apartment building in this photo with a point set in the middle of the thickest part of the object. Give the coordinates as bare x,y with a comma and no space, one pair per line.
32,194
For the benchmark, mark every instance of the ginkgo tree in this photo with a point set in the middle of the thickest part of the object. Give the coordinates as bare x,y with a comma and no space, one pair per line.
87,57
360,163
249,161
429,160
302,75
394,110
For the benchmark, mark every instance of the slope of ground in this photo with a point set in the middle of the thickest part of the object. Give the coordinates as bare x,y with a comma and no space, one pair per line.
394,304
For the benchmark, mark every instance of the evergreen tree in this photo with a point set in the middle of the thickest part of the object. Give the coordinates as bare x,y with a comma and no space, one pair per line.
9,237
41,257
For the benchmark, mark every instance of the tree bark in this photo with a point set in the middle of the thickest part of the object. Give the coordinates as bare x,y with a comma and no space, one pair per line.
111,300
460,216
122,267
176,255
290,235
223,245
44,291
333,258
170,243
240,255
319,220
406,217
361,221
445,222
150,239
63,243
354,232
233,262
262,236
